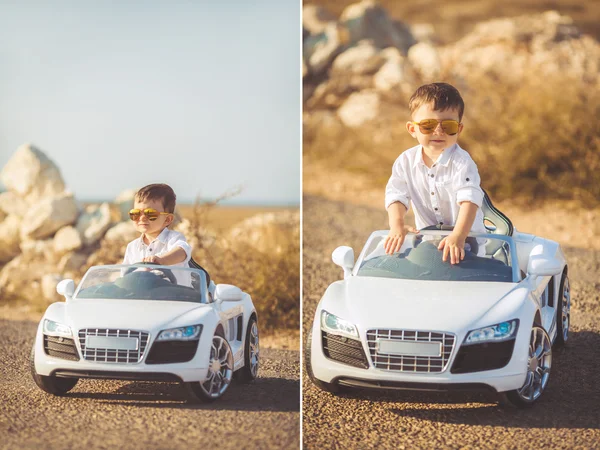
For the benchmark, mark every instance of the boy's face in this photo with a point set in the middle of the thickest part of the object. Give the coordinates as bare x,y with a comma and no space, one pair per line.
154,227
439,140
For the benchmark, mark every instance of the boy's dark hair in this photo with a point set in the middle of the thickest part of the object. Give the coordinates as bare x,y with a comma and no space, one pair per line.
159,191
442,95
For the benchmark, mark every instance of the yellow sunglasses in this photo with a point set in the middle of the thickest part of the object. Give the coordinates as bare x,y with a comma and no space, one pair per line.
428,126
150,213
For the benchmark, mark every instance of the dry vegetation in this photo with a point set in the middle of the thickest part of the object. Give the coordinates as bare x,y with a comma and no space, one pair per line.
530,140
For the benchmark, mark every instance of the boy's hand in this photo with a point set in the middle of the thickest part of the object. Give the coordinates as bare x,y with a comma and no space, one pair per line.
454,246
395,239
152,259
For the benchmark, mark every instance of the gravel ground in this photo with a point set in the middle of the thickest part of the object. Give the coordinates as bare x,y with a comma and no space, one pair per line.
567,416
136,415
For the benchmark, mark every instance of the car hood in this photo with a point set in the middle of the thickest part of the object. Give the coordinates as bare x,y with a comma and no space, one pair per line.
413,304
126,314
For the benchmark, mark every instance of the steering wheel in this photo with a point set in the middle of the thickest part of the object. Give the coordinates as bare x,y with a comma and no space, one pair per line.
166,273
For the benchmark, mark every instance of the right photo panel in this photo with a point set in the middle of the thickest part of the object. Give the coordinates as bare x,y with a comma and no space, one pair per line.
451,211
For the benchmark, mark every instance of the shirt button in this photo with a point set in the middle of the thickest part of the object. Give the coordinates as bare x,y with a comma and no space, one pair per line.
433,176
467,179
435,209
441,223
433,193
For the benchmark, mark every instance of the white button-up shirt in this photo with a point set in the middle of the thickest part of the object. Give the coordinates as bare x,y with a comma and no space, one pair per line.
166,241
435,192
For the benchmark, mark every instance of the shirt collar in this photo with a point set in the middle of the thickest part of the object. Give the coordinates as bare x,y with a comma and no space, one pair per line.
443,159
162,237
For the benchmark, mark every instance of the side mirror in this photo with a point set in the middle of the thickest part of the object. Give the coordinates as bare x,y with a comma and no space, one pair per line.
543,266
344,257
66,288
228,293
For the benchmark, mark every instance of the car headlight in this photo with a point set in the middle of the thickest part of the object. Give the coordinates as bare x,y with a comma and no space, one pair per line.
494,333
335,325
52,328
189,333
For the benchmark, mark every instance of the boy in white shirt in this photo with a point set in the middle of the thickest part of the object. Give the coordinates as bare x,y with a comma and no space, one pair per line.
153,210
437,176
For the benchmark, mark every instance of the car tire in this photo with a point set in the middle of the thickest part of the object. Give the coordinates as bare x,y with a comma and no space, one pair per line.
50,384
332,388
249,372
538,371
221,371
563,312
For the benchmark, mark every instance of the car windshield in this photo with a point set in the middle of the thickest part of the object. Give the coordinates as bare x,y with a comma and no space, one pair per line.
143,282
487,258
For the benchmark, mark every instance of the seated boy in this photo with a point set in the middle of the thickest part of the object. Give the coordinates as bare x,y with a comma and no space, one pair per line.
437,176
153,210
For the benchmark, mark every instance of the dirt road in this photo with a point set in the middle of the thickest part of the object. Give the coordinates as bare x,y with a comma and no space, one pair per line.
568,416
135,415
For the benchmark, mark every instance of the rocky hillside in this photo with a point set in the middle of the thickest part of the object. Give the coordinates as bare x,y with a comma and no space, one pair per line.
46,235
529,82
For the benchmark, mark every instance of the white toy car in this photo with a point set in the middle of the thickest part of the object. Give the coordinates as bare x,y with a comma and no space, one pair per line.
147,322
411,321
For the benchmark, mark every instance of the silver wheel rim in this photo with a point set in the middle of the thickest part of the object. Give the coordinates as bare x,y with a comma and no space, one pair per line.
538,365
566,309
220,368
254,350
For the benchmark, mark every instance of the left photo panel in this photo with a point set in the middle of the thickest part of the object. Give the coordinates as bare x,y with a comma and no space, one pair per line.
150,225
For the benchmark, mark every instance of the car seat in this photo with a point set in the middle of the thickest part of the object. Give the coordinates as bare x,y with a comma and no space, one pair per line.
209,283
495,222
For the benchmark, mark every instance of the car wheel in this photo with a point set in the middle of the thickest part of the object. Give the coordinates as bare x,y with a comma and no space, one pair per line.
538,370
563,314
328,387
49,384
249,372
220,372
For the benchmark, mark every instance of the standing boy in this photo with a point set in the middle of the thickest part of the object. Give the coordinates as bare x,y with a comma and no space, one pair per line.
437,176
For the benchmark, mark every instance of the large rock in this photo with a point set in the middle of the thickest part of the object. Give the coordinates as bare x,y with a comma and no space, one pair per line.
48,285
360,108
39,250
363,59
315,19
32,175
121,232
425,58
11,203
368,20
269,233
124,202
9,238
320,50
73,262
49,215
21,278
66,240
93,223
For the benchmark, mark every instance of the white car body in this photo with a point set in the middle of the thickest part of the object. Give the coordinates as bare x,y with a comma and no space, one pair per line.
400,307
132,326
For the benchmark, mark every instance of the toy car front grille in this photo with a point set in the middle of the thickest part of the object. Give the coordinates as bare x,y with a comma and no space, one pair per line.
113,355
344,350
410,363
60,347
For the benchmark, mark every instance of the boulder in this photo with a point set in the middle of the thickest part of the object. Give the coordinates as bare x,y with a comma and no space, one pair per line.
271,233
49,215
93,223
425,58
9,238
11,203
66,240
48,285
368,20
316,18
124,202
320,50
73,262
121,232
39,250
362,59
391,75
2,215
359,108
21,278
32,175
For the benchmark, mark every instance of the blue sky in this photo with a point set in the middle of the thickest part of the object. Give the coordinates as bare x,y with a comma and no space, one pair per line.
202,95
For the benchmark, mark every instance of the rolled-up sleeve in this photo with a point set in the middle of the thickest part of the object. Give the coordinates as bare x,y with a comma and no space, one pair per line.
397,188
178,240
467,184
